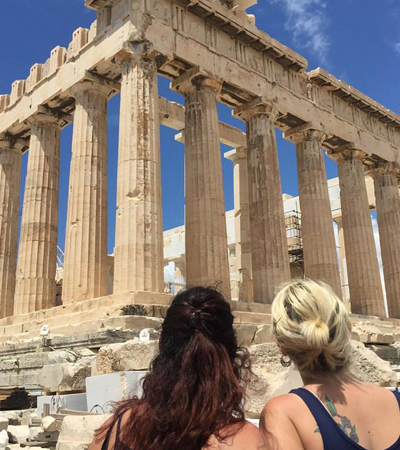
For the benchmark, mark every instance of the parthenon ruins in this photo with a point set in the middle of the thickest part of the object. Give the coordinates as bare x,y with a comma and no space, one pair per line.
212,51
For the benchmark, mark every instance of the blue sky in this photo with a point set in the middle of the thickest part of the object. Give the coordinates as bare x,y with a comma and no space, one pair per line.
356,40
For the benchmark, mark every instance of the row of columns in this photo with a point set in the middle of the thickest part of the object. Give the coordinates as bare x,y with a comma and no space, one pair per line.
139,236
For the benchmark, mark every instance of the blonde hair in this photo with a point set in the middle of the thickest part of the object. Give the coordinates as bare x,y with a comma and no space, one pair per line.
313,327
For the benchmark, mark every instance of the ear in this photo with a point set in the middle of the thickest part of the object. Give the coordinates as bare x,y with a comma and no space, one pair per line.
284,353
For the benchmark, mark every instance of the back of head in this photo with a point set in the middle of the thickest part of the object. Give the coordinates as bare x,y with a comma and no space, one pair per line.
193,389
312,325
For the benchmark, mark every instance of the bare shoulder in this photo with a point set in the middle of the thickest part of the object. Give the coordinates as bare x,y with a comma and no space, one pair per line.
248,437
282,405
277,423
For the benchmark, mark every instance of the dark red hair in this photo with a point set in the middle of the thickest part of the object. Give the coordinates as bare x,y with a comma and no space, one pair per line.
195,386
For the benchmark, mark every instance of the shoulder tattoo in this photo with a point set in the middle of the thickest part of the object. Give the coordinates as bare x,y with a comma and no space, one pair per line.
345,424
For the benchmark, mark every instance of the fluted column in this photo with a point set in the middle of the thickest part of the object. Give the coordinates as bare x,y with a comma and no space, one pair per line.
37,256
85,262
242,223
366,295
139,234
386,178
206,239
342,259
319,247
10,179
269,251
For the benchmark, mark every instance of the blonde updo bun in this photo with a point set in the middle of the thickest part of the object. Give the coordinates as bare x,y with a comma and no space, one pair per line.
316,333
312,326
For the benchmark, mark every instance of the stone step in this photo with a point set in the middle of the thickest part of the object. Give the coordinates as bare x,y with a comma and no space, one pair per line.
115,300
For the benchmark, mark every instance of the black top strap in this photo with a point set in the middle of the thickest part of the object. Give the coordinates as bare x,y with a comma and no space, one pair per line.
106,442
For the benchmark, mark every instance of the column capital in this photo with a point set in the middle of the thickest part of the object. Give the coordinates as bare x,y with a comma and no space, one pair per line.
384,168
11,142
196,79
306,132
91,86
346,152
260,106
134,52
49,116
236,154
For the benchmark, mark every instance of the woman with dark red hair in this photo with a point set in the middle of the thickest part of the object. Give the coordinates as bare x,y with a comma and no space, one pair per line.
193,394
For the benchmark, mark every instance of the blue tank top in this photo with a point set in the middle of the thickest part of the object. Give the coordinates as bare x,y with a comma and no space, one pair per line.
332,436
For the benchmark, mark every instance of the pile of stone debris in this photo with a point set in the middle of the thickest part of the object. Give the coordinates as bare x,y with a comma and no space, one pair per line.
24,430
76,384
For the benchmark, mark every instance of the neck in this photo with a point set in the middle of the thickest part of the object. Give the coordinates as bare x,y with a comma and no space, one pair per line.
331,380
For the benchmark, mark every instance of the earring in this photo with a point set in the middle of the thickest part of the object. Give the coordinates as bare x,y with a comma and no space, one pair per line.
286,362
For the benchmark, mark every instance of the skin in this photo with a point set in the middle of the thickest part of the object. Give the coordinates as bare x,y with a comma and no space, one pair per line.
286,421
248,437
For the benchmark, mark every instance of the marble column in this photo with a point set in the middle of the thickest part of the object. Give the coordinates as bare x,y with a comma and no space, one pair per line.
242,223
386,178
206,242
270,257
10,179
37,256
85,262
319,247
366,295
343,264
139,233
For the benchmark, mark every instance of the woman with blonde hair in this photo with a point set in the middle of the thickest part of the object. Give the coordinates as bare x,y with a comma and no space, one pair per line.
333,410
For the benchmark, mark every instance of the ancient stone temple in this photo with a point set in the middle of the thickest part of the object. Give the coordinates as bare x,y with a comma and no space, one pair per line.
211,51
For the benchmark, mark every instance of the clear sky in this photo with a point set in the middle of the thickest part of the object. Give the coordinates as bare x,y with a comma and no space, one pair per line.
356,40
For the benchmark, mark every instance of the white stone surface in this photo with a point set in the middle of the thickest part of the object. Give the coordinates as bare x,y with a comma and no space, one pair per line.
20,432
65,377
74,402
77,431
49,424
102,390
4,439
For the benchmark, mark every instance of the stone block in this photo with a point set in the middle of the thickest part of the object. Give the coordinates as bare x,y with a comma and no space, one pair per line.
13,417
4,439
386,352
92,31
130,355
20,433
57,58
3,423
369,368
245,334
4,102
17,90
32,360
369,333
103,390
60,357
79,40
264,335
26,417
49,424
77,432
65,377
38,434
36,74
133,322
